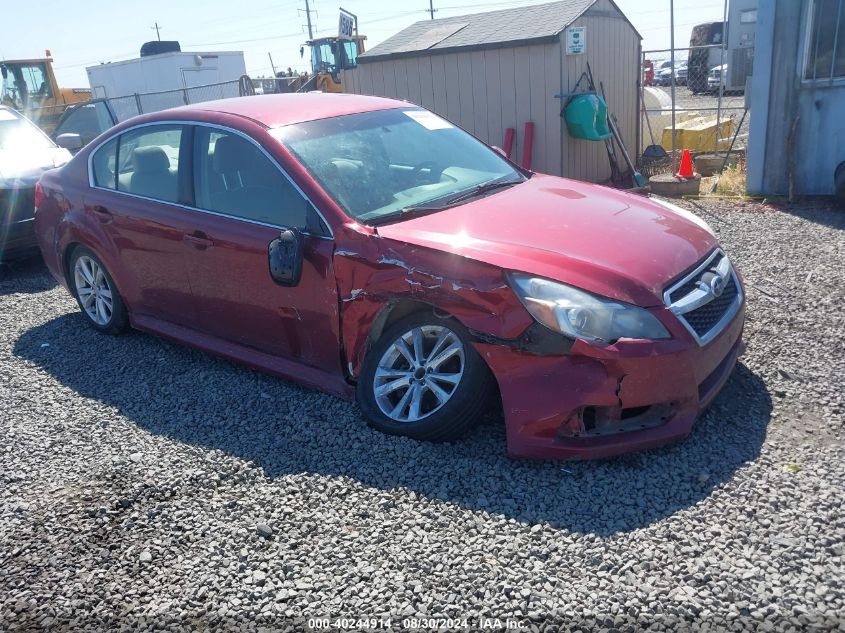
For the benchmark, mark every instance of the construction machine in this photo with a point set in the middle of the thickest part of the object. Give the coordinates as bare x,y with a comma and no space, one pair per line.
29,86
329,56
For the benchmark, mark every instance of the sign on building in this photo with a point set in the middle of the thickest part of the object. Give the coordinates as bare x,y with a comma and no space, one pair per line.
576,40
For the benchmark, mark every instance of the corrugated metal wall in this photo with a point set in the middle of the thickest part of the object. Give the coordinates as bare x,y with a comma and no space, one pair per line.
487,91
779,96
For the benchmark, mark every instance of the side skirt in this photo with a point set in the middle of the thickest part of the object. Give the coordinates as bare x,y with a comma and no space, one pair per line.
281,367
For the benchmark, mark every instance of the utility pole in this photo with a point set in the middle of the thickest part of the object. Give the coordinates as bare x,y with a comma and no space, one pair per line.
156,28
672,66
431,8
308,16
272,65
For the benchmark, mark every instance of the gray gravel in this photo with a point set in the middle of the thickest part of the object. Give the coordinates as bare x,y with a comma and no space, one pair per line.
146,485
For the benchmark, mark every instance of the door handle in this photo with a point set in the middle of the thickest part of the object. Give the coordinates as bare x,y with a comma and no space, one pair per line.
198,240
103,215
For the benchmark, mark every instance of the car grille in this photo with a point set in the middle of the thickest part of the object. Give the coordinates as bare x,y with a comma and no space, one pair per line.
699,305
703,319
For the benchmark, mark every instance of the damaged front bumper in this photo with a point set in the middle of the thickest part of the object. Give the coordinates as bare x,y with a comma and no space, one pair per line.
599,402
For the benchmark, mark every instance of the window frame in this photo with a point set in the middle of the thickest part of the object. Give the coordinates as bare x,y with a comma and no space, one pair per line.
807,54
188,136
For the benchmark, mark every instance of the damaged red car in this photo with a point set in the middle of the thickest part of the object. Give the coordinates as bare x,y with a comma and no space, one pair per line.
369,248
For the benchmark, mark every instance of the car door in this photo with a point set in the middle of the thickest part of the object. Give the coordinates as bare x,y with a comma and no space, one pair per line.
134,201
88,120
245,200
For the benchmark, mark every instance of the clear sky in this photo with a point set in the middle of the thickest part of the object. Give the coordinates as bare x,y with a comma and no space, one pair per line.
88,32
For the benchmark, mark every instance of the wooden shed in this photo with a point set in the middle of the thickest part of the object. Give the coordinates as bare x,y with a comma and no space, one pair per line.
491,71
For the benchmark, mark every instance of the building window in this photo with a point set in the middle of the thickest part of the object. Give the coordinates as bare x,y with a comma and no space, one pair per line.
748,17
826,40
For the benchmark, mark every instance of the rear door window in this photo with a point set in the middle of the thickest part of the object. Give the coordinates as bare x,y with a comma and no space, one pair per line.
148,162
143,162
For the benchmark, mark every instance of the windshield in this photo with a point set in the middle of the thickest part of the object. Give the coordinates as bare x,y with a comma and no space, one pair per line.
375,164
17,133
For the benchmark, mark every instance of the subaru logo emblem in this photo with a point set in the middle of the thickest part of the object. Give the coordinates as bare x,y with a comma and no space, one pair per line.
717,285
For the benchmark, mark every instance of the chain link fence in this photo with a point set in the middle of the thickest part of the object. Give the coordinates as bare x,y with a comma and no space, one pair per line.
694,96
141,103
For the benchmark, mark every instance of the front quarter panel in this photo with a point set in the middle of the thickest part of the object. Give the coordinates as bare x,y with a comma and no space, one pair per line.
374,273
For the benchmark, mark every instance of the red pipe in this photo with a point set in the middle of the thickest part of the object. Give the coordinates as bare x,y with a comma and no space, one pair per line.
528,145
507,146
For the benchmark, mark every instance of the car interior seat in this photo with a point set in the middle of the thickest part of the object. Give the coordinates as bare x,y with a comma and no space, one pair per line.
151,175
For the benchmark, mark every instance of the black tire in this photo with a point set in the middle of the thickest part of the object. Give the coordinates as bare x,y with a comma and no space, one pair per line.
452,419
118,321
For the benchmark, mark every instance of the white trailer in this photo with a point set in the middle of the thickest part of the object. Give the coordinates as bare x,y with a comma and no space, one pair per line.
166,71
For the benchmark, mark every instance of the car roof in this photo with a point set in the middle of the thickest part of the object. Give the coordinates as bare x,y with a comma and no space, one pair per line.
275,110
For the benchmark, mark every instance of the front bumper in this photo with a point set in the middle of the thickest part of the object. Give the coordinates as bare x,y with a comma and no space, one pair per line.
599,402
17,224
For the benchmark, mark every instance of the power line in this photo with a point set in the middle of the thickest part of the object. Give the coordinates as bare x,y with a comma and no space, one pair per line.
253,39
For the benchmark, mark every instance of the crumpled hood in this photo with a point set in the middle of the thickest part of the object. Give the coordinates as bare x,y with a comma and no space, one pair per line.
602,240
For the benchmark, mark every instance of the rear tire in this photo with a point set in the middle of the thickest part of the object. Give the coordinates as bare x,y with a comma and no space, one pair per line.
424,379
96,293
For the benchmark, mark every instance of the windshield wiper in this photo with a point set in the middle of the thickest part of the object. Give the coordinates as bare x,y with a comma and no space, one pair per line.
482,188
417,210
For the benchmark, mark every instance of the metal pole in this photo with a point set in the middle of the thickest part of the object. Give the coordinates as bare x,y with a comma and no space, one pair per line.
272,65
431,8
308,17
723,77
672,66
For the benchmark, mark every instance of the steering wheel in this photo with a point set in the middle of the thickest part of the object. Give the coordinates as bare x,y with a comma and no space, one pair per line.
435,170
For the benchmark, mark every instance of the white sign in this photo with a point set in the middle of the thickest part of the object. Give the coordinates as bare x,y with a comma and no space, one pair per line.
346,26
576,40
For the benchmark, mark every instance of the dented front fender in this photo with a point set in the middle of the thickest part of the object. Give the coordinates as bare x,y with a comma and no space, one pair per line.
375,274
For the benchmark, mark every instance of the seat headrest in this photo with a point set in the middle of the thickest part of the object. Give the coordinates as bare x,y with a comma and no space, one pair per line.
150,159
232,154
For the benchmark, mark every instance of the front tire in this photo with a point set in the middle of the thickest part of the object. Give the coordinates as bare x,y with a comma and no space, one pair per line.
96,293
424,379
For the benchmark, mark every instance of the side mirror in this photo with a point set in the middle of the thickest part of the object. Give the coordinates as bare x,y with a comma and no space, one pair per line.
70,141
285,256
499,150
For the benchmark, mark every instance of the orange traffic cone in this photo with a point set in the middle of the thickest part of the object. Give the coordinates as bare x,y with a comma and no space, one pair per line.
685,170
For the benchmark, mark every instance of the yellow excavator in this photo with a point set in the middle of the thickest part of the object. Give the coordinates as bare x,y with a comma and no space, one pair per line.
330,55
29,86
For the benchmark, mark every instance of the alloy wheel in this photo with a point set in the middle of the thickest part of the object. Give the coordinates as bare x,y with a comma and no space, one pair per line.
419,373
93,290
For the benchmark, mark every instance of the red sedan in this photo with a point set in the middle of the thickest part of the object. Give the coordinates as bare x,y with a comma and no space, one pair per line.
369,248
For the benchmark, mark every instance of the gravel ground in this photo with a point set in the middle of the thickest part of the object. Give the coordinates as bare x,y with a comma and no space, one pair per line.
146,485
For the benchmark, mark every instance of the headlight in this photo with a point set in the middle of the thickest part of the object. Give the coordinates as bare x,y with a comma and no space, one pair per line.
579,314
688,215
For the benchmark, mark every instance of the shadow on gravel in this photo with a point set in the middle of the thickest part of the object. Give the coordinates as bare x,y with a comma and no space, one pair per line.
827,211
198,400
28,275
